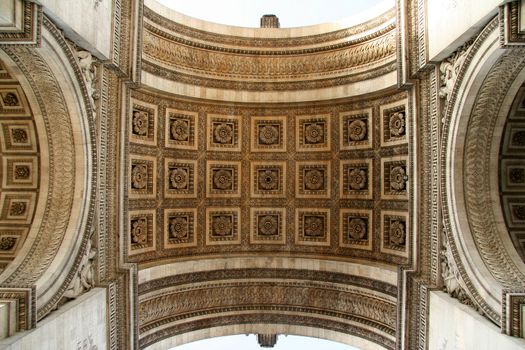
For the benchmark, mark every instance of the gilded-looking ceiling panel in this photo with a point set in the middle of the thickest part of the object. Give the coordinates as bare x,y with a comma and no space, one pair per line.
208,178
20,167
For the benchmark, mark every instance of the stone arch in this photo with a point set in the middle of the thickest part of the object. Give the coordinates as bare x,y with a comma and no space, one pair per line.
221,331
53,82
485,262
348,301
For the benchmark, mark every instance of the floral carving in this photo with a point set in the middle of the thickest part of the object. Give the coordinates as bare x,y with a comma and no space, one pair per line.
268,225
269,179
223,133
519,211
223,179
314,179
17,208
140,123
222,226
10,99
357,228
397,124
180,130
7,243
398,178
178,227
19,136
22,172
397,232
139,176
313,226
357,130
179,178
314,133
517,175
357,179
269,135
139,231
518,139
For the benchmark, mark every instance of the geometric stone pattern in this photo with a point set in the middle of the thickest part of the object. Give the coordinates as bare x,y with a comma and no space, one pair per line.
296,180
512,173
19,167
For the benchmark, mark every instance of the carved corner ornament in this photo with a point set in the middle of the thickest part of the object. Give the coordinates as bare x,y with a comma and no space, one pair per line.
449,70
452,282
25,28
84,279
512,24
513,313
20,304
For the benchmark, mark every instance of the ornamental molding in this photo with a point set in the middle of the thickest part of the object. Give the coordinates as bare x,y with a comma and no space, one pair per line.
196,61
171,304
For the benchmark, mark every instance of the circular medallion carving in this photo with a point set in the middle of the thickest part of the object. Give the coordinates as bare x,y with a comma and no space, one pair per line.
140,123
313,180
357,228
268,180
7,243
357,130
397,124
397,233
398,178
22,172
268,225
314,133
222,179
19,136
17,209
223,133
139,231
357,179
180,130
179,178
178,227
313,226
11,100
269,135
222,226
139,176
